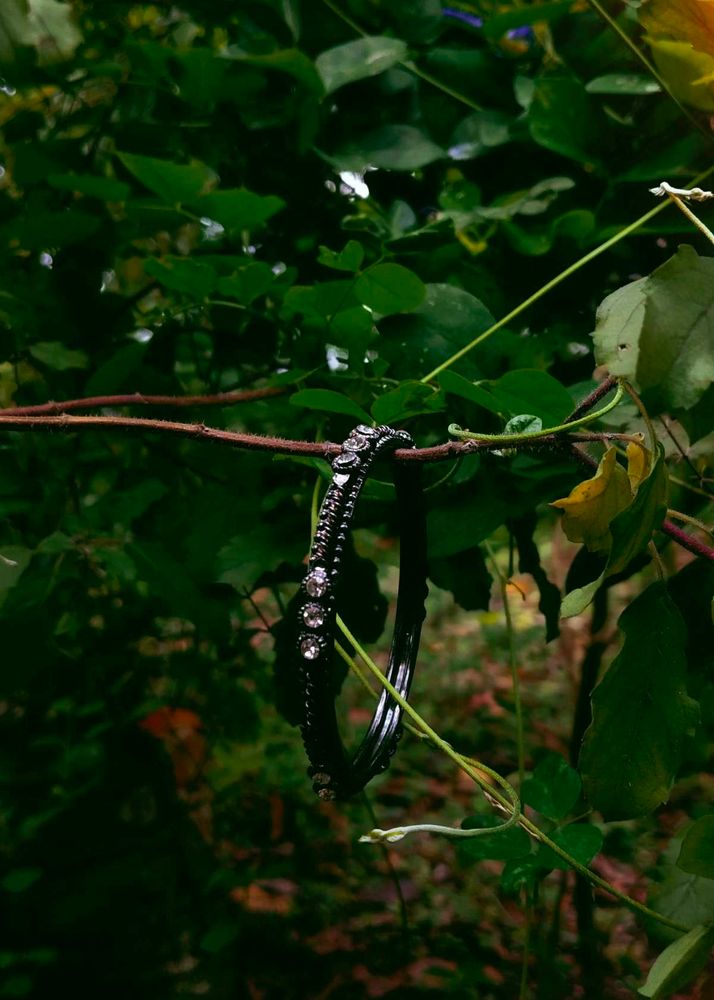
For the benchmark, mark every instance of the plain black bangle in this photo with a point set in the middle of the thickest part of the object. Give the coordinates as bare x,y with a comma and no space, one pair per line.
334,774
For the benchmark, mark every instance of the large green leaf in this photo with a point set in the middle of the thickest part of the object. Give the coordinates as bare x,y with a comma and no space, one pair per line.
658,331
330,402
389,288
238,208
582,841
447,319
679,963
564,118
516,392
358,59
554,787
641,712
172,182
392,147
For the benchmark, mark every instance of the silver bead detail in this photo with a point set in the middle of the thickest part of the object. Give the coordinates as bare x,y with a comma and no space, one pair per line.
347,460
356,442
316,582
313,615
367,431
310,648
341,478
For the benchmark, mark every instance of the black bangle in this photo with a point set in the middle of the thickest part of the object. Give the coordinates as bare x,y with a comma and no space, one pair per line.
334,775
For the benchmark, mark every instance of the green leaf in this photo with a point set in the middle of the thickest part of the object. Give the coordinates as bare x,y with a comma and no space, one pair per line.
554,788
348,259
523,423
389,288
447,319
247,284
520,872
20,879
41,230
237,208
657,331
408,400
293,62
697,853
679,963
47,25
623,83
517,392
183,274
641,712
581,840
564,118
687,899
358,59
172,182
330,402
55,355
260,548
502,846
475,392
104,188
392,147
466,576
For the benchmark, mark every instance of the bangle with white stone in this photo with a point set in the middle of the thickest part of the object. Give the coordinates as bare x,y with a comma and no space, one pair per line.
334,774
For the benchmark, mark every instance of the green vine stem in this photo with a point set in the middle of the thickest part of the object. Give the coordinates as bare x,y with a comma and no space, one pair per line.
506,439
515,677
509,802
554,282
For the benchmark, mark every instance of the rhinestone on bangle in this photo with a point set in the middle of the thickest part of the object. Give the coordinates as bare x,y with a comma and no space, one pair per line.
310,648
346,460
316,582
313,615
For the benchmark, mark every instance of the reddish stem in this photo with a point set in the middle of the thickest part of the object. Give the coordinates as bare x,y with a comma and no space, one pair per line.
137,398
585,405
324,449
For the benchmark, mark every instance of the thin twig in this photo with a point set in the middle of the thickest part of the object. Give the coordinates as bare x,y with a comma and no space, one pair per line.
139,399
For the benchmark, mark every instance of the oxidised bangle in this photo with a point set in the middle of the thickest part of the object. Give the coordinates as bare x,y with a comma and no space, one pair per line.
334,774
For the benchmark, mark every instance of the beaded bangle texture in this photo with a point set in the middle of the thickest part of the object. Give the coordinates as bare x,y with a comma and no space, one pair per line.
334,775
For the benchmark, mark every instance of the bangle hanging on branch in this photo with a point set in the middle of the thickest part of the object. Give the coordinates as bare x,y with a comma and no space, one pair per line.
334,775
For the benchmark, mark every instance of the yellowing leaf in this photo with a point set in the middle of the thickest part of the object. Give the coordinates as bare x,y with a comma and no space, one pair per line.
683,20
639,462
592,505
681,36
687,71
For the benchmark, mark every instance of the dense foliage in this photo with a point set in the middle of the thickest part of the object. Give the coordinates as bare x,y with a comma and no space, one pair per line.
337,203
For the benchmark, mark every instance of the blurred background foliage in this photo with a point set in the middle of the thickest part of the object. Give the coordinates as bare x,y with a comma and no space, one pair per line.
332,201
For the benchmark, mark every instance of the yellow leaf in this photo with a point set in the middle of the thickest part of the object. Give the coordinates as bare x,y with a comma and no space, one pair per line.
682,20
592,505
687,72
681,36
639,463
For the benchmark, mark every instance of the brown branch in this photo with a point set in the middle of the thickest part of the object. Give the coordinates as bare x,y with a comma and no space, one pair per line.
251,442
322,449
137,398
585,405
